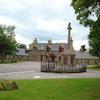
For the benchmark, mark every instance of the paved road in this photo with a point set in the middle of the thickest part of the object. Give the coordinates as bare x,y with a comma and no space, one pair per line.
22,66
31,70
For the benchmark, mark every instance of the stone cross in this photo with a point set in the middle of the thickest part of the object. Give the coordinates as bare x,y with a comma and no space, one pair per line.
35,41
69,35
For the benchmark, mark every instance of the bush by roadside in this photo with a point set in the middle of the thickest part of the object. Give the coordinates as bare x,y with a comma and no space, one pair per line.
8,85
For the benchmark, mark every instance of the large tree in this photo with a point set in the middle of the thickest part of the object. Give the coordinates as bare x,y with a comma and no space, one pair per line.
8,44
94,39
88,14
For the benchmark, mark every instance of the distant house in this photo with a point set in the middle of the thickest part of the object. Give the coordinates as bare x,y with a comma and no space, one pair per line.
64,50
21,54
34,55
81,57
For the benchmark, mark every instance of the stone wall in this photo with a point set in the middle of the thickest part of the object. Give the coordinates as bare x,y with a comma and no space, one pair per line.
37,57
87,61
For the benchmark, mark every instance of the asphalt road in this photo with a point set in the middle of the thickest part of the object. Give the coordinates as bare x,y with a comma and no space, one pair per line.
31,70
17,67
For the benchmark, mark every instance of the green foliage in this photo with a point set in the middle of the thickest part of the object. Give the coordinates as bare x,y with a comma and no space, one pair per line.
94,39
9,61
88,14
55,89
8,43
86,10
94,67
22,46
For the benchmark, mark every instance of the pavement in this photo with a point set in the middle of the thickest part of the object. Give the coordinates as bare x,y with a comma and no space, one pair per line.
31,70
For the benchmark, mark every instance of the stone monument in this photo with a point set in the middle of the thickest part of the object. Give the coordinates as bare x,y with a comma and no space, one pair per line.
63,61
68,57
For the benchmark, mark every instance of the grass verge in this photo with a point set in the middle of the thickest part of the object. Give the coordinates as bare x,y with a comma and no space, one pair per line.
54,89
94,67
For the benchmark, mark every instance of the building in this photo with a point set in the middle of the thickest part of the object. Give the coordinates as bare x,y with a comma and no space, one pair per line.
37,49
22,54
65,51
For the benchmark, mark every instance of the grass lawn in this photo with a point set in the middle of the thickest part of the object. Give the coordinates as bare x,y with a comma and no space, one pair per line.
8,62
95,67
5,62
54,89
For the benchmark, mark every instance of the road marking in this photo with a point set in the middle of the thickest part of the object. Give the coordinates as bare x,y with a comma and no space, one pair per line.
36,77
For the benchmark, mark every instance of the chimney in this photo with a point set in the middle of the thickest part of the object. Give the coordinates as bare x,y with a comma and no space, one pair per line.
83,49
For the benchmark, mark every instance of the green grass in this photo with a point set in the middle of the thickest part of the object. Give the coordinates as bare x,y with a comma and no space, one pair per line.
54,89
95,67
8,62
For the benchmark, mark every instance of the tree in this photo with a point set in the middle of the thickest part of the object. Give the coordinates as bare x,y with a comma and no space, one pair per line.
8,44
22,46
94,39
88,14
87,11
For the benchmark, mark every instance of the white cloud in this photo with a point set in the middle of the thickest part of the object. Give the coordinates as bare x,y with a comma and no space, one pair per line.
51,25
21,39
47,17
78,43
11,5
6,20
19,25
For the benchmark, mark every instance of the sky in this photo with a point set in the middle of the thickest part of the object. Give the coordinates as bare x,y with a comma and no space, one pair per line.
44,20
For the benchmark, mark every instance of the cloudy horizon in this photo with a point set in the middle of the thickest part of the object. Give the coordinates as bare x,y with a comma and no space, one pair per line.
42,19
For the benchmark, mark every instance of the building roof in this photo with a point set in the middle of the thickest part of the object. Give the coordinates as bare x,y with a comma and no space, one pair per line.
84,55
54,46
21,52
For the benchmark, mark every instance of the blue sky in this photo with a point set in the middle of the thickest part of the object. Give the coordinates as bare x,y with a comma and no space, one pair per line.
43,19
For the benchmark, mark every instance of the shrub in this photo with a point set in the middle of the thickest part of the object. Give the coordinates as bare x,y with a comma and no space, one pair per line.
8,85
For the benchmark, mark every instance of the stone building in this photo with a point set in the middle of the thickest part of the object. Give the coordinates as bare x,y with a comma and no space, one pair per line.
65,51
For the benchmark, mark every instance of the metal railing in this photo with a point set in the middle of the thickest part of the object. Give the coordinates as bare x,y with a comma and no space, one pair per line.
55,67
